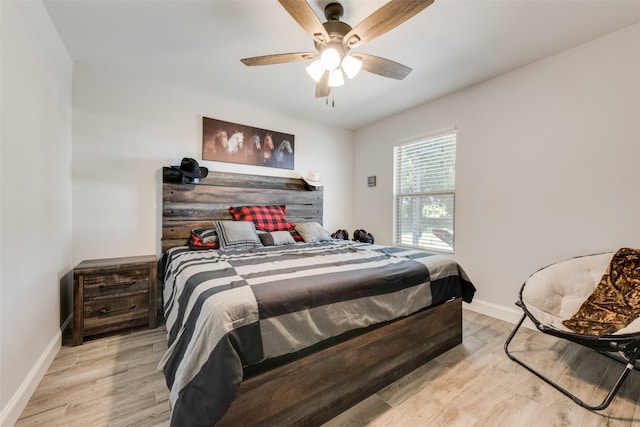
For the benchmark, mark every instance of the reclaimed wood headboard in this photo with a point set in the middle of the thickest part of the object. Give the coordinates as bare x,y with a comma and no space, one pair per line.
187,206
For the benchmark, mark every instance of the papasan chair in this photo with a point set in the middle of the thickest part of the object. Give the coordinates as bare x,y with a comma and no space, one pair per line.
592,300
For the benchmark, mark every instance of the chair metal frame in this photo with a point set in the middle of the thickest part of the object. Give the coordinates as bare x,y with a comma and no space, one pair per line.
627,348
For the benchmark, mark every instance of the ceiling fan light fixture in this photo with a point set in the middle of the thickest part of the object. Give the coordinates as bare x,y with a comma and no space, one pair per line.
330,58
335,78
351,66
316,70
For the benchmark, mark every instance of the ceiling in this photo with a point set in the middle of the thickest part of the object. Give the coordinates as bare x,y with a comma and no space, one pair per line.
451,45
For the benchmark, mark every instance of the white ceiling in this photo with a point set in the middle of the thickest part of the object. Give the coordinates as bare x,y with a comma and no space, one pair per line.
451,45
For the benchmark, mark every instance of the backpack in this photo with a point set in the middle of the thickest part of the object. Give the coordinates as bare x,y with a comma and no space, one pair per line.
341,235
362,236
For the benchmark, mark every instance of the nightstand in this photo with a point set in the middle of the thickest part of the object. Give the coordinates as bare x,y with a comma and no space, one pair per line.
113,293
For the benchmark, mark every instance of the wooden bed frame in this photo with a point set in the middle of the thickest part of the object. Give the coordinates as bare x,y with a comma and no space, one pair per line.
317,387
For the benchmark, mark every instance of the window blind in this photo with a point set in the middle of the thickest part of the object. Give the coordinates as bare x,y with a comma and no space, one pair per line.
425,173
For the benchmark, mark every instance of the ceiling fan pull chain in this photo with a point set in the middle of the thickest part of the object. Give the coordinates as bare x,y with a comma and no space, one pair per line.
333,100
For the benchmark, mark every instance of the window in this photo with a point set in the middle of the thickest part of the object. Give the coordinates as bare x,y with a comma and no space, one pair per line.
425,183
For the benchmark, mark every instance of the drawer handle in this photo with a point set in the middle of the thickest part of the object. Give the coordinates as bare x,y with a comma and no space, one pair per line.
106,311
118,285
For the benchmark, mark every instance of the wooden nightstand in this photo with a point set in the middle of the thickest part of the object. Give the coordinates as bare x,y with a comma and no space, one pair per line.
114,293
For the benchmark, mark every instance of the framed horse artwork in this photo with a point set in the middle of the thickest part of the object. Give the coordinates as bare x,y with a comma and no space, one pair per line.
235,143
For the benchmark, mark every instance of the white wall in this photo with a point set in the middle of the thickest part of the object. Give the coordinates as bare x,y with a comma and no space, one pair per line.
36,200
126,129
547,163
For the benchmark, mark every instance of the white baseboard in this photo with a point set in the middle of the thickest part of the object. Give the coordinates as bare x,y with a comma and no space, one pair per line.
508,314
11,412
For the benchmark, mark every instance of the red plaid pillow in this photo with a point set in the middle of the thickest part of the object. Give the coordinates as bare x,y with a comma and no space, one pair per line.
266,218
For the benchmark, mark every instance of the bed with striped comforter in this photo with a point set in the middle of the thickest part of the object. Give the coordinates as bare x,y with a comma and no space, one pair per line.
226,310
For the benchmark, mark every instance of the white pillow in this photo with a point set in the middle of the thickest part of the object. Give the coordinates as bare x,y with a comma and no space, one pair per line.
237,234
312,232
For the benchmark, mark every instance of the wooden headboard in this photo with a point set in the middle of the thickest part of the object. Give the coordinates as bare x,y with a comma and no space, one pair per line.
187,206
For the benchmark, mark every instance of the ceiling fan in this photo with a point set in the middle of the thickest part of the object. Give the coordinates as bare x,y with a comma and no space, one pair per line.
334,39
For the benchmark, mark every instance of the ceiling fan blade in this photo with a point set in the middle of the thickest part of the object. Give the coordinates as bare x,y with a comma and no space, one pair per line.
384,19
382,67
322,87
279,58
306,17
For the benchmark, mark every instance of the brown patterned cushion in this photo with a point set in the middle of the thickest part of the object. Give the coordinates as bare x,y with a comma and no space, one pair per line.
615,302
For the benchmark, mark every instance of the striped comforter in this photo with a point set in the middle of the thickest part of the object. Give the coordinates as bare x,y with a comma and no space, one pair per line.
228,310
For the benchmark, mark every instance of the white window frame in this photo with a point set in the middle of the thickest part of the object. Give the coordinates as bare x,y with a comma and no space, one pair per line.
437,232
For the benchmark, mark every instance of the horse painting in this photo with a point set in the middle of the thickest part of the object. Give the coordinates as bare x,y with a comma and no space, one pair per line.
284,154
237,143
221,138
252,148
267,148
212,141
234,142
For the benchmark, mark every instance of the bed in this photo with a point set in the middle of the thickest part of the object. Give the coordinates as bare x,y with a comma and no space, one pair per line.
291,334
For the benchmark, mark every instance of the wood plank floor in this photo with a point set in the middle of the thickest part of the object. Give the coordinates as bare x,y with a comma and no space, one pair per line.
112,381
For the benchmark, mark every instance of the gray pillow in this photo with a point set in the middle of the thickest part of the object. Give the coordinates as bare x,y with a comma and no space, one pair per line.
276,238
312,232
237,234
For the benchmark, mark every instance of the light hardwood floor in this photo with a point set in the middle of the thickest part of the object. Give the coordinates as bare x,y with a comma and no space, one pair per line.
112,381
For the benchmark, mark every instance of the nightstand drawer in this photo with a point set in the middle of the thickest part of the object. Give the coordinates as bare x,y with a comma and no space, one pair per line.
114,310
114,284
